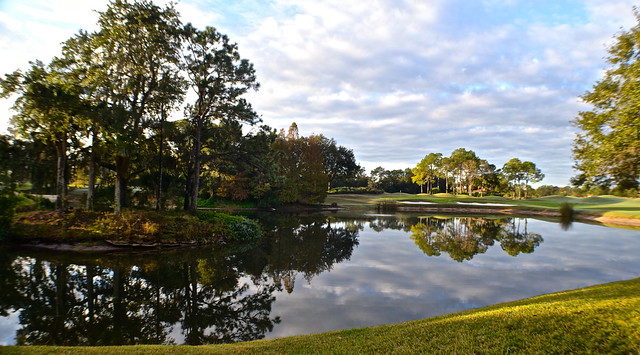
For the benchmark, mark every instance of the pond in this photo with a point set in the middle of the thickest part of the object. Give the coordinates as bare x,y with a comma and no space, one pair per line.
309,273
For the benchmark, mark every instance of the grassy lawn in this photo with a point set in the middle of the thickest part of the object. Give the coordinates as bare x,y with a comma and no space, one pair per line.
608,206
603,319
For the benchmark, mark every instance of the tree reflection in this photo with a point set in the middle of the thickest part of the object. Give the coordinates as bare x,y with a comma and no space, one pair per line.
464,237
306,244
198,296
514,241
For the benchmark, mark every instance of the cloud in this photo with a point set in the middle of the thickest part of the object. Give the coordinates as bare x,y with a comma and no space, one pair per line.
395,80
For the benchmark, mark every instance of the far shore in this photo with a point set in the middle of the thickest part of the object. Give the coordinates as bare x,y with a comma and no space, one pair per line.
605,210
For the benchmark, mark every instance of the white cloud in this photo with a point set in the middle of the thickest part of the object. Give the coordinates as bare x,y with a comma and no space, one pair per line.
395,80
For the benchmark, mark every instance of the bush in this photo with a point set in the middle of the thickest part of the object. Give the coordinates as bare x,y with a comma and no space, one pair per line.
355,190
633,193
7,211
240,228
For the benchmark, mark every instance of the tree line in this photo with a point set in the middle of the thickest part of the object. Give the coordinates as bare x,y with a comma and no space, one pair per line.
461,172
103,109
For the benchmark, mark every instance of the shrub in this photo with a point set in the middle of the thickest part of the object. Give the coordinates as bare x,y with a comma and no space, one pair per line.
633,193
355,190
239,228
7,211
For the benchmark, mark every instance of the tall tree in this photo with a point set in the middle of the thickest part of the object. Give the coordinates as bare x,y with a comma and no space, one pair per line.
607,150
530,174
512,172
520,174
464,165
300,167
219,78
77,57
135,56
426,172
339,162
49,107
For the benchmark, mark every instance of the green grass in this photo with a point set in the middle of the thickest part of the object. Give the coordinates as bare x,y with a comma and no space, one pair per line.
132,227
603,319
605,206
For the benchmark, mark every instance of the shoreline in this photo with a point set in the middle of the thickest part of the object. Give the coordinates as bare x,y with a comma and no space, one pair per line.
579,216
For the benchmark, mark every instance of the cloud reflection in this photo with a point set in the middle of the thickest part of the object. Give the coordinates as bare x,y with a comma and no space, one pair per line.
388,279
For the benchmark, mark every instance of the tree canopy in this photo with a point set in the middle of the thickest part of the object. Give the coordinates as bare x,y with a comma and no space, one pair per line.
110,103
607,148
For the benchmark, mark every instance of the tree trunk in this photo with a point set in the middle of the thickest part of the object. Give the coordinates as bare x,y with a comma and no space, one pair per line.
197,156
446,184
61,184
92,173
187,190
160,170
122,167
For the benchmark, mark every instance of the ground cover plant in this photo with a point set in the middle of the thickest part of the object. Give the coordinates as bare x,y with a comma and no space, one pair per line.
132,228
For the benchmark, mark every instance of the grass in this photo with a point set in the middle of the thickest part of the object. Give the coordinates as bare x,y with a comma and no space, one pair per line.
603,319
142,228
604,206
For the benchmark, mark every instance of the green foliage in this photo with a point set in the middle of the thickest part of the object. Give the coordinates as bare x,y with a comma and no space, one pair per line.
607,148
339,162
133,228
365,190
8,204
300,164
27,202
461,172
519,174
632,192
391,181
427,171
241,229
102,106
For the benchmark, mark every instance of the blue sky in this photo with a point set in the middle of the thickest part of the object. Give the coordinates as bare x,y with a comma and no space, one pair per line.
392,80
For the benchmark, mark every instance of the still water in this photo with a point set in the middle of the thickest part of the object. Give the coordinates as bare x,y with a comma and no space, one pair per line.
308,274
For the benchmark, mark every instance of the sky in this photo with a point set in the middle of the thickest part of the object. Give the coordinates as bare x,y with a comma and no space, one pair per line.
393,80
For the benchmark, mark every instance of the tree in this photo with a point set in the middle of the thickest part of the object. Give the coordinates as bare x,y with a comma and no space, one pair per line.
426,172
219,77
512,172
530,174
488,176
607,150
49,107
339,162
301,171
464,165
135,57
520,174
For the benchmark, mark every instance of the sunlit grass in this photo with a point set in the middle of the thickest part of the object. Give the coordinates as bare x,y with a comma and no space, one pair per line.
603,319
605,206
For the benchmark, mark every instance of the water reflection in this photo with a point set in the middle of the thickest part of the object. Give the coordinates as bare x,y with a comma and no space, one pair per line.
461,237
464,237
183,296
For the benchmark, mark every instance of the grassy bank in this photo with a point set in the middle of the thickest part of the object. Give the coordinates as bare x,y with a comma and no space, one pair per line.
601,319
605,209
131,228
